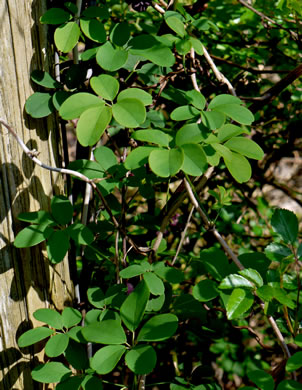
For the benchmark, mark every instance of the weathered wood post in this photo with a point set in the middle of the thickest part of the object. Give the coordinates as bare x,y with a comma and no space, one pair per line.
27,281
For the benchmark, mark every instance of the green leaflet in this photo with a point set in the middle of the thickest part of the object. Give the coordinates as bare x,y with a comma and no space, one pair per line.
141,359
106,358
92,124
111,59
67,36
165,163
134,306
129,112
105,86
239,303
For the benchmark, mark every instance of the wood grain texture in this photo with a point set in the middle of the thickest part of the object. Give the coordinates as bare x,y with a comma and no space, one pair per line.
27,281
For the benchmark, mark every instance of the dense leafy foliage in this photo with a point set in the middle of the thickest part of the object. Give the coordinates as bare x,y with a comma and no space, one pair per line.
154,118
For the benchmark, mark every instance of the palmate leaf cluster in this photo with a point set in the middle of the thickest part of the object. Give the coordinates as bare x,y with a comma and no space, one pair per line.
161,299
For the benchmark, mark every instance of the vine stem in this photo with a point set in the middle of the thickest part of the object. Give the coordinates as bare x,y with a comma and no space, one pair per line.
235,259
32,154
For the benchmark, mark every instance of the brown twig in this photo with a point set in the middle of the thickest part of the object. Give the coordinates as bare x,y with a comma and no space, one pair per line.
220,77
246,68
263,16
183,235
276,89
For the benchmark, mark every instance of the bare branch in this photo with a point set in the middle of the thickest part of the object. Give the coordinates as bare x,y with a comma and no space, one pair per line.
245,4
158,8
220,77
193,74
183,235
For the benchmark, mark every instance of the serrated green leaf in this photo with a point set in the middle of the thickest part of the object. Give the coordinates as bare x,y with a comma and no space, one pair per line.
134,306
294,362
105,359
67,36
151,135
49,317
76,104
39,105
165,163
56,345
262,379
129,112
205,291
215,262
195,160
285,223
105,332
93,29
252,275
51,372
141,359
158,328
105,86
111,59
234,281
266,293
245,146
277,252
281,296
239,303
289,385
33,336
298,340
